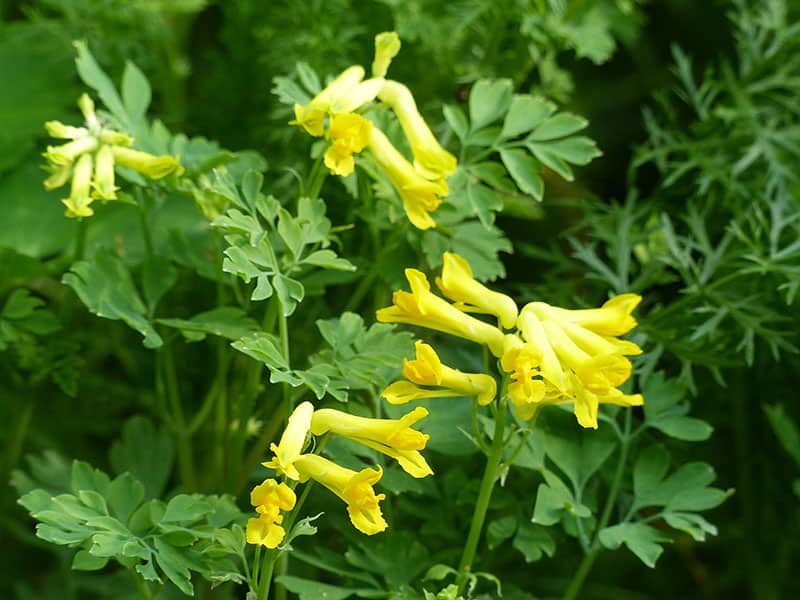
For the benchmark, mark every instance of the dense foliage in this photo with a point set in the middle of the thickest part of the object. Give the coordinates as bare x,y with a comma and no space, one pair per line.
219,270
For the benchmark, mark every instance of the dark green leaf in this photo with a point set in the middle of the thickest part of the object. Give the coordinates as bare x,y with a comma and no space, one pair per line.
525,170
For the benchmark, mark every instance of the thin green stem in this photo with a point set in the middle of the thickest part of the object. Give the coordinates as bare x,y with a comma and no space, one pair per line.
584,568
265,578
184,437
20,432
141,585
490,474
595,548
319,172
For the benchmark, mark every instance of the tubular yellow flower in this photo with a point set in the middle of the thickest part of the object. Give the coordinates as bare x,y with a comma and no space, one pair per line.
344,94
458,284
292,442
428,369
269,498
387,45
393,437
79,200
354,487
401,392
420,196
430,159
57,129
349,134
572,356
67,153
103,182
59,176
154,167
423,308
612,319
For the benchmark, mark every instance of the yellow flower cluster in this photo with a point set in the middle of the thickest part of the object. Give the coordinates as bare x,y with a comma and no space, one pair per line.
89,159
421,185
393,437
552,355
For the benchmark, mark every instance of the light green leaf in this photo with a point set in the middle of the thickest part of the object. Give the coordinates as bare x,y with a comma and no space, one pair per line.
264,347
525,113
83,561
124,495
328,260
525,170
184,508
558,126
105,286
146,453
457,120
135,92
290,232
96,78
290,292
484,202
487,101
225,321
534,541
644,541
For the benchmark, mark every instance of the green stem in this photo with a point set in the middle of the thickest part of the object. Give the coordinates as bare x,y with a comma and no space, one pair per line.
184,437
580,575
265,578
595,548
316,178
20,432
484,496
141,585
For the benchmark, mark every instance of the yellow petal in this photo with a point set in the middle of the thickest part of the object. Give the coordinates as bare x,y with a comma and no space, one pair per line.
387,45
154,167
292,441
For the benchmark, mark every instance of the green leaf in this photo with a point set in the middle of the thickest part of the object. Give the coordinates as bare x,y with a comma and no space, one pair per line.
785,429
665,410
158,276
484,203
105,286
290,292
328,260
96,78
576,451
558,126
251,187
146,453
525,113
499,530
174,564
525,170
124,494
553,499
83,561
290,232
225,321
534,541
136,92
184,508
644,541
487,101
685,428
264,347
457,120
307,589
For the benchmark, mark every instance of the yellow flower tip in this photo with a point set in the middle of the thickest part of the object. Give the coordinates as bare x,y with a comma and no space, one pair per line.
79,199
86,105
458,284
309,118
59,177
387,45
426,368
362,502
270,493
431,161
401,392
57,129
487,387
264,532
418,195
115,138
292,441
103,181
349,134
154,167
623,304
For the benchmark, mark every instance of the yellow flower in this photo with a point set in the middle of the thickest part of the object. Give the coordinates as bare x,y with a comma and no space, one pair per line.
95,145
292,442
427,369
269,498
79,200
422,308
387,45
354,487
393,437
430,159
571,356
419,195
349,134
344,94
103,182
458,284
154,167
